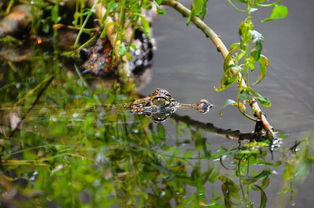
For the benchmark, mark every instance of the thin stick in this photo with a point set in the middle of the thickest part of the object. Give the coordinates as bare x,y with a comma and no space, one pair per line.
41,92
210,33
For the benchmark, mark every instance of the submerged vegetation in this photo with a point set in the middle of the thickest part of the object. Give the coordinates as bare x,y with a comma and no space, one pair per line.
57,152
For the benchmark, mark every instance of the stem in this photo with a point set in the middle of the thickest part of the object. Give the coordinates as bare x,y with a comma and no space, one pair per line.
84,24
210,33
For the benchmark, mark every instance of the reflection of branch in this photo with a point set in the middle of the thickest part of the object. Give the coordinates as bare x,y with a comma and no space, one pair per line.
228,133
224,52
41,92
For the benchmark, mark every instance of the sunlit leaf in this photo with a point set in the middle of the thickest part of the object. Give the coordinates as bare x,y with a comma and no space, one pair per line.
229,57
122,50
257,42
228,78
198,9
249,93
159,9
264,101
263,65
145,25
278,12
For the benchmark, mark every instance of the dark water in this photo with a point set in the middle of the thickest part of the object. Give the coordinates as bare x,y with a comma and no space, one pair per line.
188,65
66,156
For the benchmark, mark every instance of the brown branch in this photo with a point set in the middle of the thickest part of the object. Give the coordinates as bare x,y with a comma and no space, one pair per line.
224,52
228,133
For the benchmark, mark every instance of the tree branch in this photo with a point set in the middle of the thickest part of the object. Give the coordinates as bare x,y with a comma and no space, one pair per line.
228,133
224,52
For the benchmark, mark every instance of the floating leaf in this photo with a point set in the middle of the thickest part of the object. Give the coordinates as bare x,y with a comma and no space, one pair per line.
263,64
279,12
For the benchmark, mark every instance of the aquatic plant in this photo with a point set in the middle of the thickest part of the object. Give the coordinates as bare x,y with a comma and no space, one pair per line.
56,152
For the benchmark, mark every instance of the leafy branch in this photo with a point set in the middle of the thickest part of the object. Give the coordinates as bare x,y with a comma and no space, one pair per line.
242,57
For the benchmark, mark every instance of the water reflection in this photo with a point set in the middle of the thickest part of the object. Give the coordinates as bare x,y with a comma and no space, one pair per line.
69,153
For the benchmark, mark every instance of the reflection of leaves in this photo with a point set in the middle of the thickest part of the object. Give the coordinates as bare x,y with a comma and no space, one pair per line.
230,190
252,180
263,196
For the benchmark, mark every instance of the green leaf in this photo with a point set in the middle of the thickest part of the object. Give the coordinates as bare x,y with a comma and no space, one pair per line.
249,93
55,14
229,57
198,9
228,78
159,9
145,25
122,50
242,1
279,12
264,101
244,32
263,64
227,103
257,41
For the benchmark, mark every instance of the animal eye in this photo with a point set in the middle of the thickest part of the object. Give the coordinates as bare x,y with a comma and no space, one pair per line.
160,101
84,53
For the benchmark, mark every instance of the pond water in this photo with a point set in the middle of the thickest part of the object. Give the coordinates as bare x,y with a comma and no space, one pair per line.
187,64
66,155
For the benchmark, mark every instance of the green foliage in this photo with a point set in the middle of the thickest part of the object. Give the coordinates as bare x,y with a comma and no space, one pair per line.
244,57
279,12
73,153
198,9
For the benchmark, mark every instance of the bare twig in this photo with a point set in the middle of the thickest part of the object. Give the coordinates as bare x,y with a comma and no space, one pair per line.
224,52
